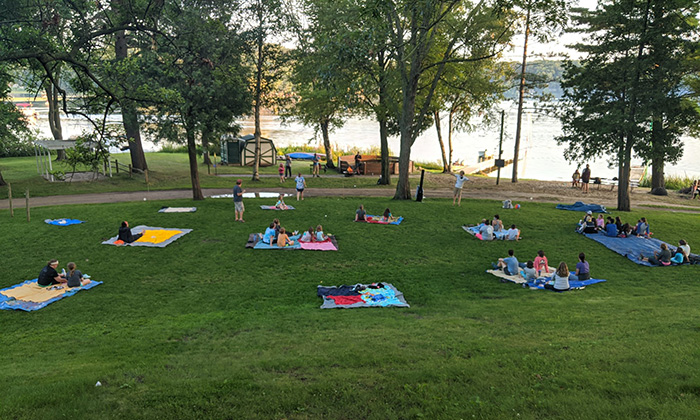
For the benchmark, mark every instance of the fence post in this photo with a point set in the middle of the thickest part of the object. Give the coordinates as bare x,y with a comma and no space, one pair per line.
26,195
130,173
9,197
145,172
116,165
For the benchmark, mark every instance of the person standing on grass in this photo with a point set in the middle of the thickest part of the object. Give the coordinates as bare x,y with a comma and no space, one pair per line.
288,167
238,200
317,166
281,172
358,157
49,275
301,185
575,178
458,188
585,179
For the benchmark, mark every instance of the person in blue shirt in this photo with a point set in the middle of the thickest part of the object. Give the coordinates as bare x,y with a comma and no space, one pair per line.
510,264
611,228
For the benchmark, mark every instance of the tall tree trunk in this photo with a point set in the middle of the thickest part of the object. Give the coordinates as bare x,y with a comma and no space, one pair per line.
382,117
325,123
258,95
623,175
2,180
403,185
436,115
658,183
206,137
130,118
521,97
450,130
194,172
52,97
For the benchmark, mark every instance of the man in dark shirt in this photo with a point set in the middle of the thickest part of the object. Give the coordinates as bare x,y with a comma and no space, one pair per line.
585,178
358,157
126,235
49,275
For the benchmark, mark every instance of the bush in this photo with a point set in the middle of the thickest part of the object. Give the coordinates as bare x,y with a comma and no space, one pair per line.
673,182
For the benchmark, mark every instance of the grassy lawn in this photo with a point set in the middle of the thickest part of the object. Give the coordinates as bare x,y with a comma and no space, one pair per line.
167,171
208,329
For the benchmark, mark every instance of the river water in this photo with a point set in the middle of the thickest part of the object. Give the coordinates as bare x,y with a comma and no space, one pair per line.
541,157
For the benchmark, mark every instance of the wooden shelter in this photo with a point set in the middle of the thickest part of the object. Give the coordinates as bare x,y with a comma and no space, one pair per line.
241,151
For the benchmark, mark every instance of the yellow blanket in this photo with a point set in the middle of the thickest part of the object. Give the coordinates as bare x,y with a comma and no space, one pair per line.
157,236
32,292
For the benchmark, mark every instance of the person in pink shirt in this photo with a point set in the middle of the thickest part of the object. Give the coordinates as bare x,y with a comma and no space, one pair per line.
600,222
541,263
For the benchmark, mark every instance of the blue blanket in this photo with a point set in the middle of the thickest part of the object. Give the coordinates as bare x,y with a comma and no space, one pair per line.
63,222
377,219
295,238
573,284
10,303
475,229
631,247
581,206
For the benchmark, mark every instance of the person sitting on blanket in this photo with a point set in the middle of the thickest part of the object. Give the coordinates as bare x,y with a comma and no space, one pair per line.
587,225
126,235
497,223
49,275
619,224
541,263
529,271
659,258
626,231
509,265
583,270
320,237
270,234
280,202
679,257
283,240
75,277
512,234
387,216
486,231
360,214
308,236
600,222
684,245
560,280
642,228
611,228
277,227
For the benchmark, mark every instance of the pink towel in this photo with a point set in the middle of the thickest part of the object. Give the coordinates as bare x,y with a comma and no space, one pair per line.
319,246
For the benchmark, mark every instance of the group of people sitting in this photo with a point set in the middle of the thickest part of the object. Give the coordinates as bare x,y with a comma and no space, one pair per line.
532,270
276,234
489,228
361,215
72,278
613,227
667,257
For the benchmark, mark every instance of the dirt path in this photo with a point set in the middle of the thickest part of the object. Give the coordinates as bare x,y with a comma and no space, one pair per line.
477,188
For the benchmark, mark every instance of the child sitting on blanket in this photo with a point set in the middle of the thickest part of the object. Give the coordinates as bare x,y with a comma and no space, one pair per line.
308,236
583,270
387,216
541,263
560,280
270,234
529,271
360,214
642,228
679,257
611,228
659,258
486,231
497,223
512,234
75,277
283,240
280,203
320,237
600,222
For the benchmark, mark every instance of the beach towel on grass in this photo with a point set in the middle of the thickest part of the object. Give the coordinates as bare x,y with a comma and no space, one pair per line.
573,284
152,236
275,208
516,278
177,210
378,219
581,206
29,296
361,296
474,230
329,245
632,246
63,222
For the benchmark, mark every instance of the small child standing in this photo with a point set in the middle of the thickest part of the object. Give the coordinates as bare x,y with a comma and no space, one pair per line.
281,172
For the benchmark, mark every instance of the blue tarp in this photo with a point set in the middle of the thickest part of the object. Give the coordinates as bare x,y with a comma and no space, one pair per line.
475,229
63,222
581,206
631,247
295,238
305,156
573,284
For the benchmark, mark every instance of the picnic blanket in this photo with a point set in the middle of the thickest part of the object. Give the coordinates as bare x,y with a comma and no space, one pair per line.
515,278
152,236
29,296
377,219
474,230
275,208
361,296
177,210
63,222
581,206
573,284
632,246
255,242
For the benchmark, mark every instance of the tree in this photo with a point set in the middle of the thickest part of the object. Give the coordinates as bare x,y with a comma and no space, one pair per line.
616,91
424,37
13,126
543,19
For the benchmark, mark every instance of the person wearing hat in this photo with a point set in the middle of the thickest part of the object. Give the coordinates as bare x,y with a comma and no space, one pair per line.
587,224
238,200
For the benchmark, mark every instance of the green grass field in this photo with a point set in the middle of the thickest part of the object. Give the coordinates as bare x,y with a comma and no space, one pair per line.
208,329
